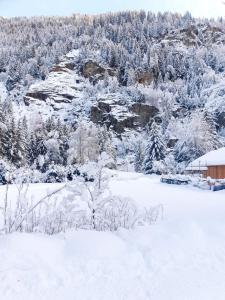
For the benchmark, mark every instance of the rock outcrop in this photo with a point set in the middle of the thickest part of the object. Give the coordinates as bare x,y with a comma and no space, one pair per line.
195,36
119,117
94,72
62,92
143,113
145,78
61,86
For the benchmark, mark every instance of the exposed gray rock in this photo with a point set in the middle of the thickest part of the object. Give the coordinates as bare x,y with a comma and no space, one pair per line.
195,36
61,86
145,78
91,69
120,117
39,95
171,143
144,113
94,72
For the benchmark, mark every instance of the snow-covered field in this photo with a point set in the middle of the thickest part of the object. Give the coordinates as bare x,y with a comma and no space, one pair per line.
181,257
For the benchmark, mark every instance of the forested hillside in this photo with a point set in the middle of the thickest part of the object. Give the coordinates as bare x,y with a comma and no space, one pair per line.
145,90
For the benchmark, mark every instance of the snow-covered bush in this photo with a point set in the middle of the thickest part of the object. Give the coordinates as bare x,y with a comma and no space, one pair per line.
79,204
4,169
56,173
120,212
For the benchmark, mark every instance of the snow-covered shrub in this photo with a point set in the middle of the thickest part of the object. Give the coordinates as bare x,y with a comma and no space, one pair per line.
4,169
79,204
120,212
55,173
104,210
158,167
60,215
171,166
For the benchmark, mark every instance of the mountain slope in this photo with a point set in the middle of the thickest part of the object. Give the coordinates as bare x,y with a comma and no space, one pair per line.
121,71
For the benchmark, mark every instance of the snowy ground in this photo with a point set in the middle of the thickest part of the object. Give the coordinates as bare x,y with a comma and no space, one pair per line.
181,257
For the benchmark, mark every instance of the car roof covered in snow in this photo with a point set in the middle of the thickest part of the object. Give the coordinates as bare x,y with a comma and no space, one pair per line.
212,158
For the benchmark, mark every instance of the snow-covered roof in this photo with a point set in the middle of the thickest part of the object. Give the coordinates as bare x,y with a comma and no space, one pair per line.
212,158
196,168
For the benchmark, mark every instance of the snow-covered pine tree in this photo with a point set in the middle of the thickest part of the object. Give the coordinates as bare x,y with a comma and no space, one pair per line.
155,150
64,132
40,149
10,140
2,131
50,124
185,152
20,151
106,145
32,151
102,136
212,141
210,120
138,156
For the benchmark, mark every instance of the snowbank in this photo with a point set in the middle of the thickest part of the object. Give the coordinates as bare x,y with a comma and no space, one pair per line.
180,257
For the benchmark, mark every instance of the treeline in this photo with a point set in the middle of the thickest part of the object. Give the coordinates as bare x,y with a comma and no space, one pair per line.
58,150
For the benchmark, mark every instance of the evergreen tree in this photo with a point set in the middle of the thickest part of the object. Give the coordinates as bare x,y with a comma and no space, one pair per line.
103,135
32,150
10,138
20,154
210,120
50,124
37,147
139,157
63,142
185,152
2,132
106,144
40,143
155,150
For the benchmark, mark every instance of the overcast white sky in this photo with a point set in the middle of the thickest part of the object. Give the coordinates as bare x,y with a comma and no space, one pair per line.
203,8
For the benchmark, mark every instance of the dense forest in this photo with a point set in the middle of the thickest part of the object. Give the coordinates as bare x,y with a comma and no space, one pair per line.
172,62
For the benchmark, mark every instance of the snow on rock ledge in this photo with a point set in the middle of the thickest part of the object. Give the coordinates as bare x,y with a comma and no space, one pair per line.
111,110
63,85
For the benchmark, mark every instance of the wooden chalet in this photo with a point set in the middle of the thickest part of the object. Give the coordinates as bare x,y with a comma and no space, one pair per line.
211,164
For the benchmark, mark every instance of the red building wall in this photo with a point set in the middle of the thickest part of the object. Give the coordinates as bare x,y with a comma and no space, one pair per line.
216,172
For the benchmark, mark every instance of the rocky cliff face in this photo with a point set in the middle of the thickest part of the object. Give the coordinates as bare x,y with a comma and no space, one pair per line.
66,82
195,36
63,92
112,112
94,72
61,86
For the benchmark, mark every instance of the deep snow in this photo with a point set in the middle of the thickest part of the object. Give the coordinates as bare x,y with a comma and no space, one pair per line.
180,257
